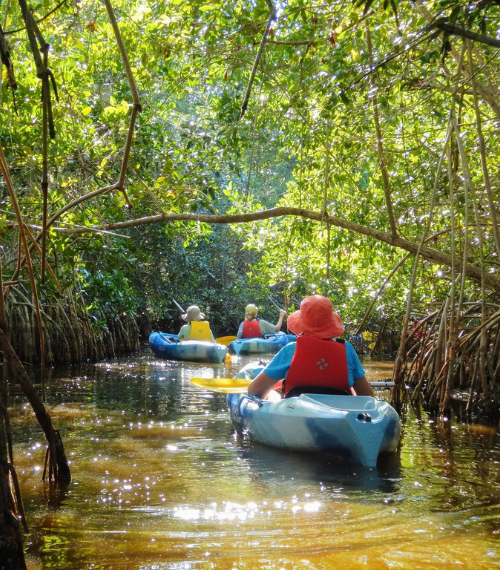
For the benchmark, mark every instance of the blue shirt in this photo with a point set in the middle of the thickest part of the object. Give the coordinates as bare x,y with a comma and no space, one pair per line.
278,368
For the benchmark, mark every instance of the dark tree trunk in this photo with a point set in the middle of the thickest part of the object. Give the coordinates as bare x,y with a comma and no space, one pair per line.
58,464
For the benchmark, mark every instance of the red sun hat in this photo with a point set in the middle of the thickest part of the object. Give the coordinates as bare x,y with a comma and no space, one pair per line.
316,318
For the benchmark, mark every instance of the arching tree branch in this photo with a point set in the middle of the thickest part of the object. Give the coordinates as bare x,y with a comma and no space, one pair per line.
434,255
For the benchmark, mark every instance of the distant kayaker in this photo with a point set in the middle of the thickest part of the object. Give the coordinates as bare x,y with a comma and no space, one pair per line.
252,327
316,363
197,327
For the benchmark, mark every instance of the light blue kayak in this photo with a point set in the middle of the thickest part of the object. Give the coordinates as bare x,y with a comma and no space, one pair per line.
167,346
268,345
359,428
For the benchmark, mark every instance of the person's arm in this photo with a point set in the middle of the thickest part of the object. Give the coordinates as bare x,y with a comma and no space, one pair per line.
278,369
270,328
239,334
280,320
362,387
356,372
261,385
184,332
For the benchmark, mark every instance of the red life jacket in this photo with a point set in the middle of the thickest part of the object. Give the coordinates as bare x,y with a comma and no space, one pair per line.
251,329
318,364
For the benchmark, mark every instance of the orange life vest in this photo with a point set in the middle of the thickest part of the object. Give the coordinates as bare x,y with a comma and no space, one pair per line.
320,364
251,329
200,330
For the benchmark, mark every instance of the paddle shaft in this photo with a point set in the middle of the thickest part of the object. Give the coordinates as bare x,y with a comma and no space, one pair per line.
178,306
274,303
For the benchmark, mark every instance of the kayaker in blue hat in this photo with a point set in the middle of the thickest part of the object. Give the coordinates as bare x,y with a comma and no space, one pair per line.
316,363
252,327
198,328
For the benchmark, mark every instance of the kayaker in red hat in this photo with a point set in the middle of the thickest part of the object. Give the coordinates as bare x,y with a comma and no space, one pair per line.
252,327
316,363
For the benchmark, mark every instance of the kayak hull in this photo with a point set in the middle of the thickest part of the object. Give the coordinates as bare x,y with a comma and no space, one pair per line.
359,428
270,344
167,346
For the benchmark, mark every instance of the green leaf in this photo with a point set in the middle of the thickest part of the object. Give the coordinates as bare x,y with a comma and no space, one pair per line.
345,98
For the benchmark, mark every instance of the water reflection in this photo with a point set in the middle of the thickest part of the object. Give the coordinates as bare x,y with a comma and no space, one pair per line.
335,475
160,480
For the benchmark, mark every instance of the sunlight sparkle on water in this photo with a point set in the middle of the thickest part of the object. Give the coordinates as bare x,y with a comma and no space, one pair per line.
237,512
231,512
312,507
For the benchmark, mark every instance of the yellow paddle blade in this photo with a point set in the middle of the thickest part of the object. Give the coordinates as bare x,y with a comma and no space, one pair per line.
225,340
240,385
223,385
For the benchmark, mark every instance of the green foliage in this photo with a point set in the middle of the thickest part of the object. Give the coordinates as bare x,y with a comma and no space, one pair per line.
313,94
110,292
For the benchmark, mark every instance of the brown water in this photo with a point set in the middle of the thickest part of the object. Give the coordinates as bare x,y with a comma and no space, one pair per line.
161,482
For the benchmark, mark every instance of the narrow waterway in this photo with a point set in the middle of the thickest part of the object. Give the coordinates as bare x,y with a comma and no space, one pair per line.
160,481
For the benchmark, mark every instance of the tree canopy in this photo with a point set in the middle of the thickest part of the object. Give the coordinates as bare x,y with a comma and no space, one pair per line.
369,126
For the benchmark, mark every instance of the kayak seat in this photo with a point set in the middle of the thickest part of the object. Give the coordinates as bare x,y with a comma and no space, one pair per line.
273,336
169,339
298,390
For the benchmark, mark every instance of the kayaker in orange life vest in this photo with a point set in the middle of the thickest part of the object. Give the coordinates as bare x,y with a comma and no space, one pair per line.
252,327
198,328
315,363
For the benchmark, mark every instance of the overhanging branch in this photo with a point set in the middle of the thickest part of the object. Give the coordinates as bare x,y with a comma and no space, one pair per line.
428,253
457,31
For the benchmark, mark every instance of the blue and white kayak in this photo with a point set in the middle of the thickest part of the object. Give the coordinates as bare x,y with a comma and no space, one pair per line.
167,346
358,428
269,344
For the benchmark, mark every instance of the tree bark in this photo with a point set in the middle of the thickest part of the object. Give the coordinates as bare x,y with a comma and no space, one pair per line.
457,31
59,464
